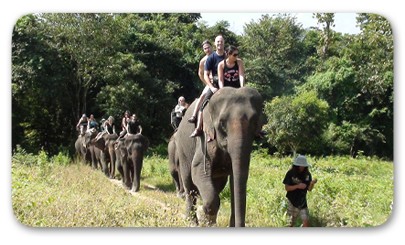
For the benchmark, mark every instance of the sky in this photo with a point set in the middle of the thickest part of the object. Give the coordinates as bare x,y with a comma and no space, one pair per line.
344,22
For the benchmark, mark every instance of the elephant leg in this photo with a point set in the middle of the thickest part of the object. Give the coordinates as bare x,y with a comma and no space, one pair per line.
181,187
191,203
211,201
94,160
112,162
127,174
137,168
103,163
120,167
190,195
177,182
202,177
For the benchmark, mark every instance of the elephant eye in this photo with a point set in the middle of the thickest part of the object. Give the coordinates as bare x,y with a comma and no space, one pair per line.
222,126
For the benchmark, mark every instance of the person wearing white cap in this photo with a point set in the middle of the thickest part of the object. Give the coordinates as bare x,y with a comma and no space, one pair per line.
298,180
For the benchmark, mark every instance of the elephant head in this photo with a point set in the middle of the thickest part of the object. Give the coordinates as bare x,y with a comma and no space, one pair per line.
89,137
109,149
136,146
123,163
233,119
97,150
82,153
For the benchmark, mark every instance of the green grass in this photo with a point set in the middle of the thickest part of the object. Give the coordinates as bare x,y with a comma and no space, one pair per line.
58,192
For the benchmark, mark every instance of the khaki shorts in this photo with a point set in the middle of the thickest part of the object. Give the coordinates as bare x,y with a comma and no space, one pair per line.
294,212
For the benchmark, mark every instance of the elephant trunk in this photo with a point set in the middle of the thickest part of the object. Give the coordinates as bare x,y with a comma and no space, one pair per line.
239,148
112,161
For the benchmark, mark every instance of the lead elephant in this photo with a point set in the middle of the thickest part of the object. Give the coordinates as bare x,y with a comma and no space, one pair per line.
174,168
232,118
132,150
81,152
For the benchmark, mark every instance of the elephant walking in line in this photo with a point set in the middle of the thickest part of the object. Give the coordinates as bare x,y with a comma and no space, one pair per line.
107,145
131,151
96,149
232,118
81,151
174,168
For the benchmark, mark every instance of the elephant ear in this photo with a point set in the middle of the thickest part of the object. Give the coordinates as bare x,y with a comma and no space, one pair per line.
128,144
146,144
208,125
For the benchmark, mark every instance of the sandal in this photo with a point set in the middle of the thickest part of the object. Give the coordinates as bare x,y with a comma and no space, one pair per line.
192,119
197,132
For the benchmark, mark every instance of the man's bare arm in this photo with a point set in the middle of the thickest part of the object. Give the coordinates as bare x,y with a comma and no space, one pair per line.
201,70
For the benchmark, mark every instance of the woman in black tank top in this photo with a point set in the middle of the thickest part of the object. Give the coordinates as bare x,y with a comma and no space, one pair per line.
231,71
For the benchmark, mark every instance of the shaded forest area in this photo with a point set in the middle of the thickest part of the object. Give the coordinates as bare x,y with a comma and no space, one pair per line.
325,92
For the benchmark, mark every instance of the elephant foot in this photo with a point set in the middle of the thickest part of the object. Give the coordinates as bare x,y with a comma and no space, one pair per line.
126,186
180,195
197,132
193,221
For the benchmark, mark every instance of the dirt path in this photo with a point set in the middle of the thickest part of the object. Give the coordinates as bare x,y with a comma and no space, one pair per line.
139,195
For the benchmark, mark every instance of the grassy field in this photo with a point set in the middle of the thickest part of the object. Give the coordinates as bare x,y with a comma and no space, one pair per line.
59,192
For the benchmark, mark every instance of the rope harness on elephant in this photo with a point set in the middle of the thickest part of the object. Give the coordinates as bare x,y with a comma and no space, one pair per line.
205,154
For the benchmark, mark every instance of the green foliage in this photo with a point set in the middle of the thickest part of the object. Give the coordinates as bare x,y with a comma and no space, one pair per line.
66,64
349,193
296,123
274,54
61,159
21,157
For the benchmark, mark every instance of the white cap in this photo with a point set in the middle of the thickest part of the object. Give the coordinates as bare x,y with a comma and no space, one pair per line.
301,161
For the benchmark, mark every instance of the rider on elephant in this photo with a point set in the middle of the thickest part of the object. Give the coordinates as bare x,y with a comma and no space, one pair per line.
92,123
133,126
108,128
82,124
210,69
124,123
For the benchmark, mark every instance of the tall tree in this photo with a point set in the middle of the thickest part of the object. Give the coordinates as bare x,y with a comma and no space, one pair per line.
327,21
296,123
274,54
87,41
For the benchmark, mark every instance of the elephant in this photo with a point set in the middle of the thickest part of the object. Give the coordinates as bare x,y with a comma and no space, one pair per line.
107,145
96,149
81,152
131,151
232,119
174,166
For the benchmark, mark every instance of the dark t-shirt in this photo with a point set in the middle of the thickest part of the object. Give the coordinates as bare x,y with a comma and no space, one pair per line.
297,197
211,64
133,126
231,76
109,127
